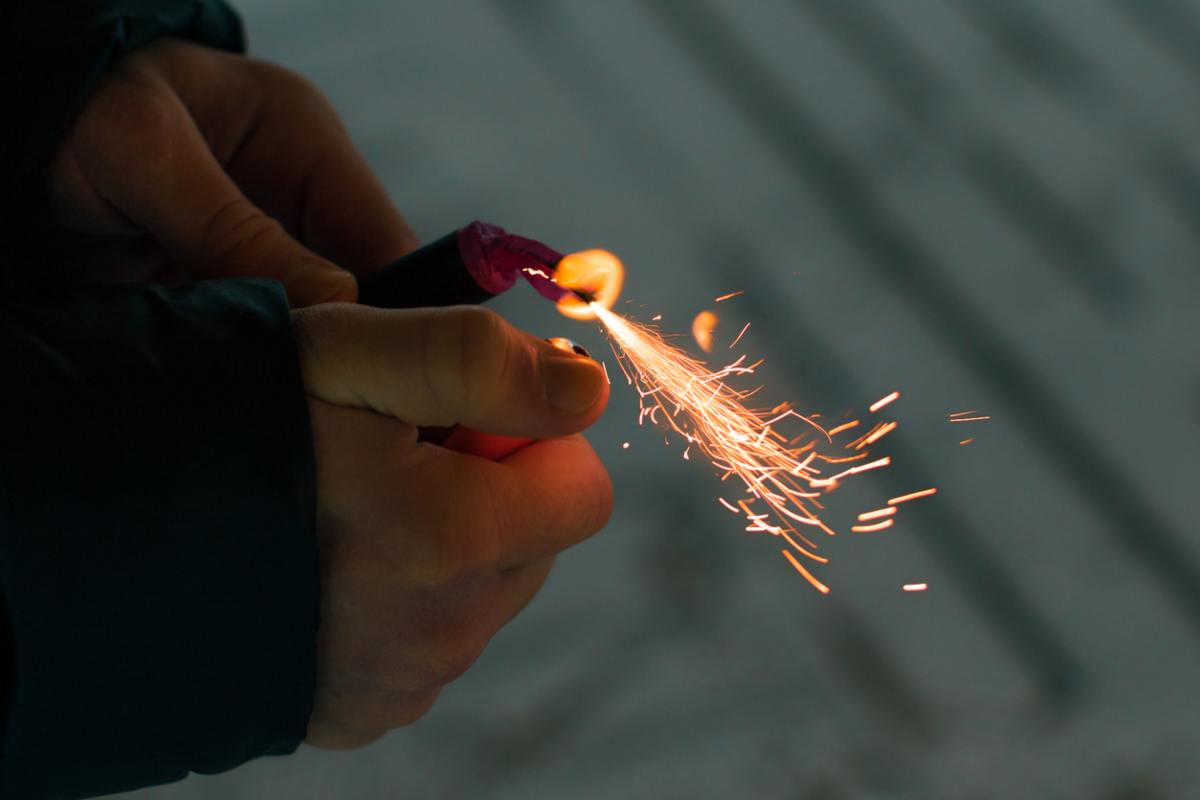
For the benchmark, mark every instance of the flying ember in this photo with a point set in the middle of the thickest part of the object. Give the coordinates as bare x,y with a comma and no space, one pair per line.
702,329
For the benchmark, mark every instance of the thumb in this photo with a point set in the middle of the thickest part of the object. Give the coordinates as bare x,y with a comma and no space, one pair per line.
445,366
165,179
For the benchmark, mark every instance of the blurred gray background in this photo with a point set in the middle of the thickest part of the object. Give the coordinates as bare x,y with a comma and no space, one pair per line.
988,204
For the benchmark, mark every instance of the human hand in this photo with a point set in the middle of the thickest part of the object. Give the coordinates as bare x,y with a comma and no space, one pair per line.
425,552
189,162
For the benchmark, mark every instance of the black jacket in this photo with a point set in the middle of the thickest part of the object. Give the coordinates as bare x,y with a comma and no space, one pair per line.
157,561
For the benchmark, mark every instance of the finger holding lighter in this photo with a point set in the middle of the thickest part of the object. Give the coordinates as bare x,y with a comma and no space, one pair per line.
479,261
427,552
494,446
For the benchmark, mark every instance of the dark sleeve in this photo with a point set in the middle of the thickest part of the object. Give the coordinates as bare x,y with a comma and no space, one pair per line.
156,536
158,582
55,53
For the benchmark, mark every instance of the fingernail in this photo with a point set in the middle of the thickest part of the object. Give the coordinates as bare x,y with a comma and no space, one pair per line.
573,385
563,343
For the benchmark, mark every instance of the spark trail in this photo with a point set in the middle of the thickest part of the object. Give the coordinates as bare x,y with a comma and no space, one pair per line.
784,475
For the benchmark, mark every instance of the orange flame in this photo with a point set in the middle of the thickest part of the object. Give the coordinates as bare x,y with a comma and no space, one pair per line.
598,273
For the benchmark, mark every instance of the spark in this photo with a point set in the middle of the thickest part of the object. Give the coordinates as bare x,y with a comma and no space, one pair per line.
820,587
883,401
954,414
970,419
904,498
625,445
745,328
915,587
878,526
539,272
843,427
729,296
784,476
876,435
867,516
967,441
656,317
833,481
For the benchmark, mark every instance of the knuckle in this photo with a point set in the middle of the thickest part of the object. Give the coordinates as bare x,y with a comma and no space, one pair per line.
410,709
437,657
235,227
296,84
339,737
131,111
290,86
459,648
365,716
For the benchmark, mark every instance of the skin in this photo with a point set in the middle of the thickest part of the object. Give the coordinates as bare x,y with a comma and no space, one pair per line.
188,163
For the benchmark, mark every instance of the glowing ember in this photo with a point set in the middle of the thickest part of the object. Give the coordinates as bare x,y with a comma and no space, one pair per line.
915,587
878,526
843,427
624,445
967,441
729,296
832,481
878,433
883,401
904,498
867,516
702,329
965,416
808,576
745,328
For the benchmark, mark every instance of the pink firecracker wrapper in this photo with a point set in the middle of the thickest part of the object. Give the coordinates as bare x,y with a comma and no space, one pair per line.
496,258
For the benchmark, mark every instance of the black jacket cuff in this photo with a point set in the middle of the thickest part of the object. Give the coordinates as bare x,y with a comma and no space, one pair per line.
156,536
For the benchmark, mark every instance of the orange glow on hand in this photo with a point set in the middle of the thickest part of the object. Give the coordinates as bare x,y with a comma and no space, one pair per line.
598,273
